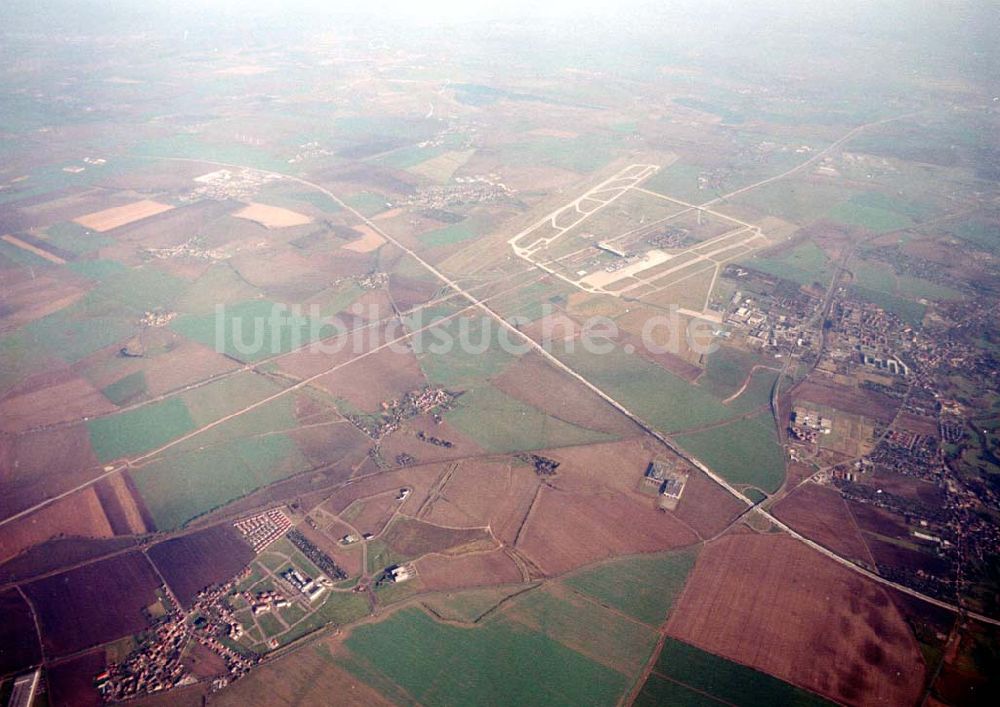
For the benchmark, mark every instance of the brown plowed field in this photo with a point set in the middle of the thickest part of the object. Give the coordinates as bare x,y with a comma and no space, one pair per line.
120,505
619,466
409,292
534,381
93,604
47,463
332,444
382,376
414,538
71,683
63,401
25,300
479,569
770,602
187,363
17,634
79,515
116,216
485,493
193,562
706,506
568,530
820,514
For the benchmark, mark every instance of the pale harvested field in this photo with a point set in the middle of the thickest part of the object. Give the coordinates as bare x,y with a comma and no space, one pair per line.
17,242
272,216
772,603
367,243
116,216
79,515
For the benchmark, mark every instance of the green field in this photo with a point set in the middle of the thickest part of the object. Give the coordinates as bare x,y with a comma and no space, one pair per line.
76,239
726,370
338,608
474,353
679,181
251,330
87,326
438,664
184,486
907,310
96,269
797,202
982,233
879,277
456,233
585,626
130,433
743,452
644,587
220,284
366,203
500,423
195,147
126,390
725,680
660,398
873,218
210,402
804,264
758,393
469,605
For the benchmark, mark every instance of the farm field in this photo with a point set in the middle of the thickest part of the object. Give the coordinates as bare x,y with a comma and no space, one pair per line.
644,586
181,487
437,663
194,562
744,452
740,605
94,604
687,676
114,217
